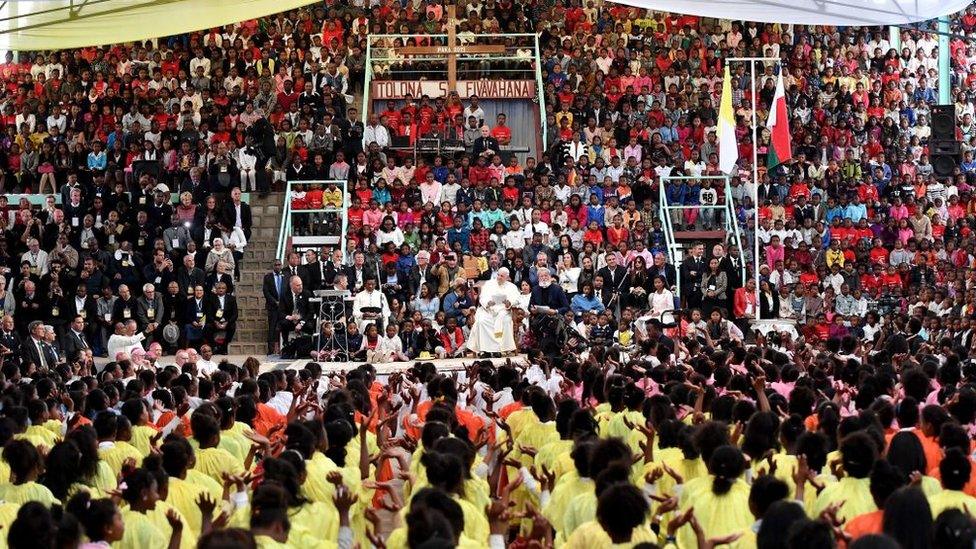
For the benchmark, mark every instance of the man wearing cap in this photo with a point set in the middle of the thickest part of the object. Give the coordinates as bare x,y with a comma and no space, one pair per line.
493,329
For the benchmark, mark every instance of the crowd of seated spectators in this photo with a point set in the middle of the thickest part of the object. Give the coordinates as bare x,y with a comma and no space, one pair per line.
660,417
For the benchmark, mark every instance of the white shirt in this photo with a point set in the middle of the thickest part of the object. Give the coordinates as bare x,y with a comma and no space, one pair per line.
206,367
125,344
378,134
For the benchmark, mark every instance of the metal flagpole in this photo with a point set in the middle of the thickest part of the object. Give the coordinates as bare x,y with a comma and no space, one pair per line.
755,167
755,187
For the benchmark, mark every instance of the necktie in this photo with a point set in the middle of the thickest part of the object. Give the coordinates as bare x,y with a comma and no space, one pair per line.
278,284
81,339
40,354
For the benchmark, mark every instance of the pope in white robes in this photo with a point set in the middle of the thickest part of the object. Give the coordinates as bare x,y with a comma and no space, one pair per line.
493,331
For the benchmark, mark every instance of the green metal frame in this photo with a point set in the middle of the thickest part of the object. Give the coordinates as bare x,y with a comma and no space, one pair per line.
285,232
731,222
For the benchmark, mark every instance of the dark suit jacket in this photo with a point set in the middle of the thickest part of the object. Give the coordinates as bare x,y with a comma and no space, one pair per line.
29,352
612,280
331,271
691,283
553,297
270,291
287,305
287,269
732,272
25,312
230,311
190,310
11,341
230,216
72,344
483,144
72,310
311,275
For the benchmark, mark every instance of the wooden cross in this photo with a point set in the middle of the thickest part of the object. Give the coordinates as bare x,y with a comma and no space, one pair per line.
452,49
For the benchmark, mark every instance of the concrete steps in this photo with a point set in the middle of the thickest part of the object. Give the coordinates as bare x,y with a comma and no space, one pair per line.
252,328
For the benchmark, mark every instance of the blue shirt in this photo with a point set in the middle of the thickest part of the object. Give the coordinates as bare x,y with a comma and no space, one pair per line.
835,212
595,213
582,304
461,235
97,162
856,212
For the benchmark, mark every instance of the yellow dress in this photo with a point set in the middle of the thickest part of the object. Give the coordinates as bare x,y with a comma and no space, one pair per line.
8,513
567,487
316,486
35,439
54,426
617,427
214,488
235,443
183,496
786,465
214,462
689,469
590,535
141,532
719,515
581,509
116,454
476,526
142,438
28,491
854,492
188,537
952,499
41,432
518,420
556,456
104,478
316,523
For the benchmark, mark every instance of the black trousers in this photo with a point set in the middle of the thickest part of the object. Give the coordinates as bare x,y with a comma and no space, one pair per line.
273,331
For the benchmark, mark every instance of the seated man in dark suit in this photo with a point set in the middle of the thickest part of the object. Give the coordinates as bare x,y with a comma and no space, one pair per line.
9,338
222,312
194,318
548,298
294,310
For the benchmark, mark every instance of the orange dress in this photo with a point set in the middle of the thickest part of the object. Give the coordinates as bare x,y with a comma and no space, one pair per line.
863,525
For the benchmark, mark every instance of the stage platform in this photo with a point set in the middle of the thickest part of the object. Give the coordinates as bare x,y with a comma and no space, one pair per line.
387,368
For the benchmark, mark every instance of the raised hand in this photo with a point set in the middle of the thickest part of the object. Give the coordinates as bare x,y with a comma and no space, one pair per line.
206,504
678,479
174,520
344,500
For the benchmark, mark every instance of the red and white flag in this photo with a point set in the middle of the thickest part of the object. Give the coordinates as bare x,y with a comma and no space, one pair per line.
778,123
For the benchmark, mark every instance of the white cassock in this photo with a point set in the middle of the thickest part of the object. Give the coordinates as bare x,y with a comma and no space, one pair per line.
492,331
363,299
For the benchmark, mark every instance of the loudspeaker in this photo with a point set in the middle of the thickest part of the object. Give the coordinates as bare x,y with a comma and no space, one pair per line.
944,165
943,122
945,156
943,147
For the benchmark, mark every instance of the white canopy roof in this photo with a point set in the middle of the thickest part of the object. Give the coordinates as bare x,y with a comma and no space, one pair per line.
60,24
811,12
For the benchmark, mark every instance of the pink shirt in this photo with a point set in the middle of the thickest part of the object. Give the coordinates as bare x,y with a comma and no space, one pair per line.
373,218
898,212
775,254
